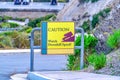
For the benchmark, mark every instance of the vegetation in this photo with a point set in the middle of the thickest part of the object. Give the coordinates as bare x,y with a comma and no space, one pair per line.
114,39
14,39
19,39
19,19
8,25
96,19
50,0
97,60
89,44
101,14
86,26
82,1
36,22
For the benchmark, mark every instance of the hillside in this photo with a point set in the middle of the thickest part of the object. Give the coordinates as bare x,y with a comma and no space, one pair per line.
105,25
113,64
75,11
81,12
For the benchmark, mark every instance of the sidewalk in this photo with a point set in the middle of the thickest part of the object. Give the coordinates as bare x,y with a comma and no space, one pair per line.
63,75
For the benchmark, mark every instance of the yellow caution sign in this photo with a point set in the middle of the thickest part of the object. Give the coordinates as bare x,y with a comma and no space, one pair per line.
59,39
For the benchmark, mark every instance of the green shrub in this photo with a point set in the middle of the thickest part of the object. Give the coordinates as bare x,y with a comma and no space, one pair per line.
20,39
95,20
97,60
49,0
38,24
8,25
14,39
102,14
29,30
19,19
5,25
89,45
94,1
114,39
13,25
6,18
7,33
24,28
34,23
5,42
107,10
82,1
1,18
37,38
86,26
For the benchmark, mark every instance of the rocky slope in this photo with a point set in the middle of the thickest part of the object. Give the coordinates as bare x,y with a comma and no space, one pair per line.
80,12
111,23
113,64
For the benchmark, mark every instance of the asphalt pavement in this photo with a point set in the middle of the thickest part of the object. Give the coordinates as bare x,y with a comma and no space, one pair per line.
18,62
34,5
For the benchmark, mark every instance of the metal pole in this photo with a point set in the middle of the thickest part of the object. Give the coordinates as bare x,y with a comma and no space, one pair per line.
81,48
32,51
32,47
90,18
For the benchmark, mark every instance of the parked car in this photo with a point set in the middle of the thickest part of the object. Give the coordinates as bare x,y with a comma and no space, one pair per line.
17,2
26,2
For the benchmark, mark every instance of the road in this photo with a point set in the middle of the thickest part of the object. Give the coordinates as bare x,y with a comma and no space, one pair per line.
11,63
34,5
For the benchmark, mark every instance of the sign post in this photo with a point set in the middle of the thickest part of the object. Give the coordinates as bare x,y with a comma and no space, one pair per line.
57,38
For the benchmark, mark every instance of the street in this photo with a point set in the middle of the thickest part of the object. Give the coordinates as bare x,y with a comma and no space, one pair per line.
35,5
12,63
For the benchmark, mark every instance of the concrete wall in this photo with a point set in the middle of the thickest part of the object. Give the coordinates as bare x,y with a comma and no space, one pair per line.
25,14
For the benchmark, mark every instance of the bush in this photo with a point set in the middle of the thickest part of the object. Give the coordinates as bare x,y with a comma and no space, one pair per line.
5,42
37,38
97,60
38,20
49,0
89,45
114,39
82,1
1,18
5,25
8,25
86,26
29,30
5,18
13,25
19,19
7,33
20,39
94,1
17,39
95,20
102,14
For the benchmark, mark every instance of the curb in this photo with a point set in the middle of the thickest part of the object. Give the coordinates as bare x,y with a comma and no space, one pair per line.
19,51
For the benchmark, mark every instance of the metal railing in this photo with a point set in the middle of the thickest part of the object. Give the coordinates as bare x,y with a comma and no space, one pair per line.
32,47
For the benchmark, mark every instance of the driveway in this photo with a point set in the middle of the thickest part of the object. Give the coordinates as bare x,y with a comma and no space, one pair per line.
11,63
